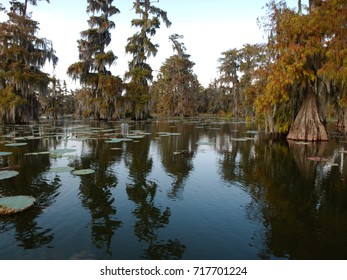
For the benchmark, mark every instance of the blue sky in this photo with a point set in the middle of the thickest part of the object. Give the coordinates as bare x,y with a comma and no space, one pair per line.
209,28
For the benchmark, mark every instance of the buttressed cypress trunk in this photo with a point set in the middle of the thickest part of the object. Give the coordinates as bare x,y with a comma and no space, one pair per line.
308,125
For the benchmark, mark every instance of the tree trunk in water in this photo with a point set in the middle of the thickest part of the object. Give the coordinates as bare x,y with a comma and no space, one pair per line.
308,125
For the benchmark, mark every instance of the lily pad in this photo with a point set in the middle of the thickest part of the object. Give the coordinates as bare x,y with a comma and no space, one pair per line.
83,172
36,153
6,174
15,204
302,143
2,154
115,140
16,144
135,136
61,169
62,151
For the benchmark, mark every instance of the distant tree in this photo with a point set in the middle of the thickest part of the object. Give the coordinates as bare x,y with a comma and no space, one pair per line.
234,90
177,87
229,67
22,56
101,89
141,48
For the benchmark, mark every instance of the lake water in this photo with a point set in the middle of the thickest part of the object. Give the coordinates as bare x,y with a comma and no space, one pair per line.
197,189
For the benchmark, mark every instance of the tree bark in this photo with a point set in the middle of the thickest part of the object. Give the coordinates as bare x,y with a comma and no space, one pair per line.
307,125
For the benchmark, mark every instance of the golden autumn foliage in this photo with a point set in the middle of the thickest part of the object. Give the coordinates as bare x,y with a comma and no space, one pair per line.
307,67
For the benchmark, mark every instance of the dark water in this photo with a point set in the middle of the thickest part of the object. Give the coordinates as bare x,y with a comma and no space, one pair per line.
200,193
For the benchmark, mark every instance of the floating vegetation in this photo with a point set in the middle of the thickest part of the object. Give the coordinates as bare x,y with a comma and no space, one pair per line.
116,149
15,204
6,174
243,139
302,143
168,133
2,154
37,153
214,128
28,138
331,164
61,169
180,152
82,172
62,151
318,159
252,131
114,140
135,136
343,151
16,144
125,139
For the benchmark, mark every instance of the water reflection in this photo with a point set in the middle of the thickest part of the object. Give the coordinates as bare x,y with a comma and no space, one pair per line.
96,193
150,218
177,153
264,199
300,204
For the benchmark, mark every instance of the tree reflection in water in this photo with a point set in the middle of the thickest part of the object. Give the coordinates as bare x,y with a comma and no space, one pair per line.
96,194
298,201
150,218
27,230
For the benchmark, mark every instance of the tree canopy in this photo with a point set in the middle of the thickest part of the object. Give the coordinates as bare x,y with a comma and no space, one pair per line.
22,56
141,48
101,89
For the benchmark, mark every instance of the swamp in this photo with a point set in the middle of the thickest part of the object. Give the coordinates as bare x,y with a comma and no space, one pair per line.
199,188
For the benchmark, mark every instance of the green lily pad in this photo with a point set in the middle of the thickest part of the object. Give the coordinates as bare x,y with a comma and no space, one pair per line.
6,174
135,136
2,154
62,151
15,204
83,172
115,140
16,144
36,153
301,143
61,169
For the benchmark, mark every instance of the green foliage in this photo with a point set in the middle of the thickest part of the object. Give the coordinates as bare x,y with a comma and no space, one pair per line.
234,91
176,91
22,56
141,48
101,89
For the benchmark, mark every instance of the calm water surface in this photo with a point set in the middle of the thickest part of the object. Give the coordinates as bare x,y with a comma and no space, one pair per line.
208,189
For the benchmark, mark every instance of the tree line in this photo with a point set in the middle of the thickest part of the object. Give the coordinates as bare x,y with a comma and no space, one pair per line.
291,84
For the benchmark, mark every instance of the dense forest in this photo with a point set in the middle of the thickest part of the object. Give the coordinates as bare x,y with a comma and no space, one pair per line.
291,85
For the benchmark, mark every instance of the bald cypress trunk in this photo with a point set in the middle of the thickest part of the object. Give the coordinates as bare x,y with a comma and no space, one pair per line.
308,125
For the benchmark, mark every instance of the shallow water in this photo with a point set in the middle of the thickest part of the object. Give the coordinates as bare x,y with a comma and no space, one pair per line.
209,189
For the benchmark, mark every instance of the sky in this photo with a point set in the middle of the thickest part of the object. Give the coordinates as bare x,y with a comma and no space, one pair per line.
208,28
